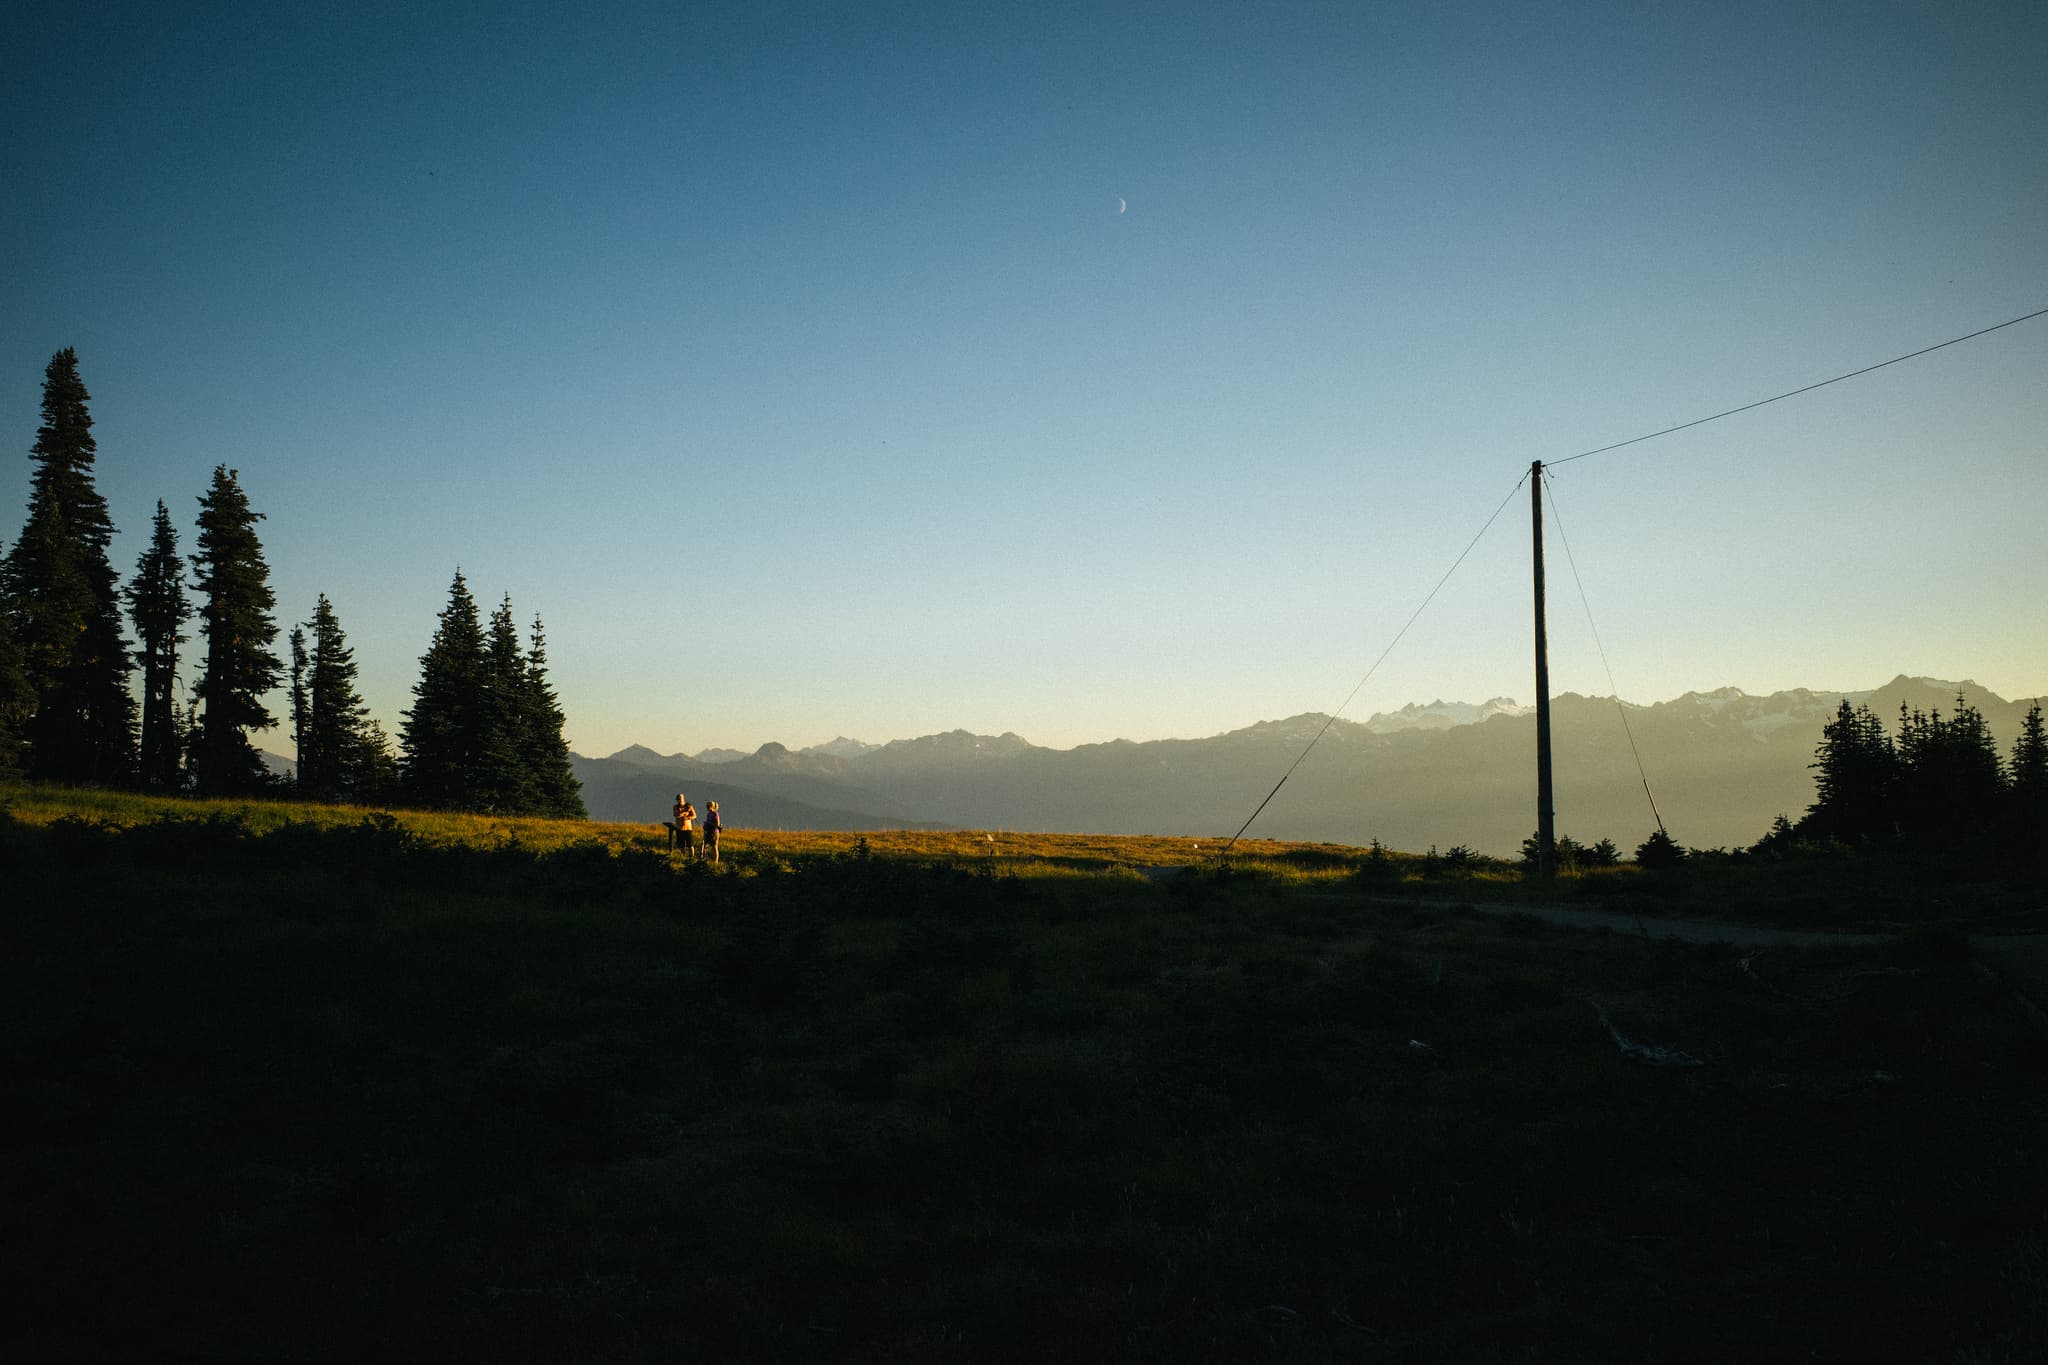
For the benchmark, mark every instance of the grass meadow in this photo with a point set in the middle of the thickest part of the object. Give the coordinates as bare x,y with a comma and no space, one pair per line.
298,1083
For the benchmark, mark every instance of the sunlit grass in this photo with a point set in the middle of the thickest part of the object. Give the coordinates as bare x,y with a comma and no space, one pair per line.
1823,887
37,804
34,804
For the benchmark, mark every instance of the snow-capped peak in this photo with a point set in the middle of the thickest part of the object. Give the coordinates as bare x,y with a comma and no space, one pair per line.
1442,715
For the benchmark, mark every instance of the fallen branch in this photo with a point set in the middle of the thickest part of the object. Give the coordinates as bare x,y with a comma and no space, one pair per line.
1886,972
2021,1001
1747,966
1353,1323
1641,1052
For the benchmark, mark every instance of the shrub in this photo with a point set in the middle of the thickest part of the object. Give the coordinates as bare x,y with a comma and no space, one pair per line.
1660,850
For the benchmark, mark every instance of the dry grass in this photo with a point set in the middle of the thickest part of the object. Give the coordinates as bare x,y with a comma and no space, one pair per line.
42,805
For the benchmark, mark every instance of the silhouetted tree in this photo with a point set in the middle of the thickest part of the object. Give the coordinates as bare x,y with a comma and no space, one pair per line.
1952,782
376,774
65,600
1568,854
1778,839
340,754
441,735
189,733
498,781
485,730
301,707
1660,850
17,699
158,606
240,663
545,750
2030,774
1856,773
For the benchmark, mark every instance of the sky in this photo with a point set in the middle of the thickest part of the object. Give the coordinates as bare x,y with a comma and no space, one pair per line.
1087,371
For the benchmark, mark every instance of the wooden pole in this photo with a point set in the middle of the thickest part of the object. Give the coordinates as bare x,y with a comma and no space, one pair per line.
1546,819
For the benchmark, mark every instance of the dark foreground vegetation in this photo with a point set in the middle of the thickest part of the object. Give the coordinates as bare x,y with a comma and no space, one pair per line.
341,1094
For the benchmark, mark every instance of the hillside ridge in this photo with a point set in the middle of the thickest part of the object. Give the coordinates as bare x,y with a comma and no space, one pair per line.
1721,761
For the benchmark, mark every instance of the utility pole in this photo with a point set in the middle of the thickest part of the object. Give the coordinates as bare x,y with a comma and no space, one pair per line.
1546,818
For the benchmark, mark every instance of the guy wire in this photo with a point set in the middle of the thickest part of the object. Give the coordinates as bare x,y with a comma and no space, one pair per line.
1331,719
1614,690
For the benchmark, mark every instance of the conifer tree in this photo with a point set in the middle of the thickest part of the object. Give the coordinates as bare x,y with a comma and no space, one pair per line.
1856,771
65,600
375,772
1778,839
550,777
158,606
1951,780
485,729
1660,850
440,736
499,781
301,708
17,700
240,663
338,756
2030,773
190,731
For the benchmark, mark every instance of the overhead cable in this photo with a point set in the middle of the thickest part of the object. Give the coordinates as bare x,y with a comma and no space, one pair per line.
1809,388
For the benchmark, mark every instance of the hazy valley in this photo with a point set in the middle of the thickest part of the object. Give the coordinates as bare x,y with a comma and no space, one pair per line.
1720,763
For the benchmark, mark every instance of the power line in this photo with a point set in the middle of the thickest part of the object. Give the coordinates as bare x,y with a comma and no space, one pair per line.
1331,719
1809,388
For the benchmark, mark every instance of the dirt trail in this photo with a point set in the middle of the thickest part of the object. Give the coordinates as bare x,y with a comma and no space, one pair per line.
2021,959
1689,930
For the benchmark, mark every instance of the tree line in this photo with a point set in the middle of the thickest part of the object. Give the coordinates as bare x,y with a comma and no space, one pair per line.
1938,780
484,732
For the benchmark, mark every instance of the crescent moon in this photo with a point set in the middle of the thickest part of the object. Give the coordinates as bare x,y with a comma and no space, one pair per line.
1120,204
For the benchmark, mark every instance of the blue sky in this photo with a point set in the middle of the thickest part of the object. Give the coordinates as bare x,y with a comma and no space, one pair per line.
797,365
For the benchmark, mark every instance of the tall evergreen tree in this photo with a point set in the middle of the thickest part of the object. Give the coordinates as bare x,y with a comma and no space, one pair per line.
65,599
1951,780
485,729
2030,773
375,773
1856,771
499,779
551,780
301,708
338,755
241,665
158,606
440,736
17,698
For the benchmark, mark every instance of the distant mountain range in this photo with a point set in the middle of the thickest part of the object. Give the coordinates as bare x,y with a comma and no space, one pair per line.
1721,765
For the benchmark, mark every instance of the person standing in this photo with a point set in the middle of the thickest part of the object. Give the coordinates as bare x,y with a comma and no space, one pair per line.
686,826
712,824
